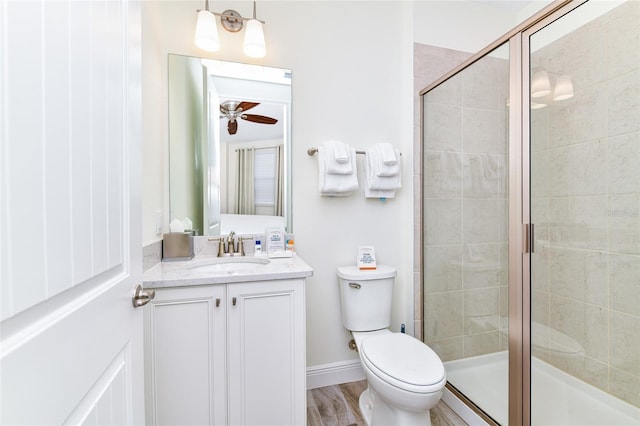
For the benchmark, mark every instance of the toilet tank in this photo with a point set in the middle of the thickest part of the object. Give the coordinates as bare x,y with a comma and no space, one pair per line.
366,297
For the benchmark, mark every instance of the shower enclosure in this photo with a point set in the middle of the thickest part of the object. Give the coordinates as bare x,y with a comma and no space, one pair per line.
531,219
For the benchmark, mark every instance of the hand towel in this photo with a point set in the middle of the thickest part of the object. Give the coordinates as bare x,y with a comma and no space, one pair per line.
338,158
340,151
332,184
384,166
376,193
379,178
388,154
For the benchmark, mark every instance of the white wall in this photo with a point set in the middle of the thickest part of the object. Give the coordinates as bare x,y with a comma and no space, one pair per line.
351,81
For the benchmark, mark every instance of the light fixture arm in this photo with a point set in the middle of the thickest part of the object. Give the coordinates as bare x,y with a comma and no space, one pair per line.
226,14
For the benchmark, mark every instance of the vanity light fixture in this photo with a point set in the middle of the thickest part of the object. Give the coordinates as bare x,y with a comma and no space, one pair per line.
542,92
206,30
207,38
540,85
563,89
254,37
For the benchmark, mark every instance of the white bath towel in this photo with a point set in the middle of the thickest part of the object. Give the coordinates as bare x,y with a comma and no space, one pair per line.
332,184
338,157
380,177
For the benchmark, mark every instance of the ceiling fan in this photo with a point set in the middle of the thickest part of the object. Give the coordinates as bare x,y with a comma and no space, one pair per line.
234,110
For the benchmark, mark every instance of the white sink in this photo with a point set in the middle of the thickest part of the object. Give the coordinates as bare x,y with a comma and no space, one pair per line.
230,265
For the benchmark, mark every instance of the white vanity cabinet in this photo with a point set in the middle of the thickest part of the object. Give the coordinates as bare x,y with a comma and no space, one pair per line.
226,354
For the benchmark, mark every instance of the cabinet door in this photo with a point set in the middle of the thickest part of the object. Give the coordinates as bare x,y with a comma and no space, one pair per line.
266,338
185,356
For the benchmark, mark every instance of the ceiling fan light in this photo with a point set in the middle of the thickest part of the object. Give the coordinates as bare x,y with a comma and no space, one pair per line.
206,37
254,45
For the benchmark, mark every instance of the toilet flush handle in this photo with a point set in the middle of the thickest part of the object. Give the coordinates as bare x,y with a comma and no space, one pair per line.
355,285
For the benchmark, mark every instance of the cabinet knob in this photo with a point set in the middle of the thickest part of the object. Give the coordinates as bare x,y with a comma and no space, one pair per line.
218,302
233,301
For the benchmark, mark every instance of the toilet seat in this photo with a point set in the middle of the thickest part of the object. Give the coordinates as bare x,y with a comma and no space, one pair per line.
404,362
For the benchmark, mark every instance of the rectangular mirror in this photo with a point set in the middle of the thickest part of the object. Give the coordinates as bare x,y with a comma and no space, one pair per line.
229,145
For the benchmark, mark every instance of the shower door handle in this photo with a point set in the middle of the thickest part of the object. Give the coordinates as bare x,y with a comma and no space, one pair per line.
528,238
531,237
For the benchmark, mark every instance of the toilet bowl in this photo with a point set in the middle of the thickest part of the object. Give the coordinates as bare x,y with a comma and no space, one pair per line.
405,377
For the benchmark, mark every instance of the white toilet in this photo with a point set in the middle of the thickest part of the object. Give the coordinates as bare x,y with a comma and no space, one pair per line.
405,377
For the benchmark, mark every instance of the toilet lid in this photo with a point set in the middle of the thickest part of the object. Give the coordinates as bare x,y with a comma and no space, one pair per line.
404,359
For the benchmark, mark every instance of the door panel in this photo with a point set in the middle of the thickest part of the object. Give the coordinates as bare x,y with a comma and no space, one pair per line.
185,356
585,201
70,245
266,353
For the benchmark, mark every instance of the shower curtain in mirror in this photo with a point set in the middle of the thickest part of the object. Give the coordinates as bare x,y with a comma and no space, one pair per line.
244,181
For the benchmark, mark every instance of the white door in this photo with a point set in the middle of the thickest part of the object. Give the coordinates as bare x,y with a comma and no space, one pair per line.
70,212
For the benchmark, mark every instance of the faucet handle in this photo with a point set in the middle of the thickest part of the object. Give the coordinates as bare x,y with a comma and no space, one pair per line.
221,249
240,247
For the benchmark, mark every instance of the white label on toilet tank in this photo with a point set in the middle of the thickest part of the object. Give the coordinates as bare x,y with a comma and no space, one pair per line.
366,257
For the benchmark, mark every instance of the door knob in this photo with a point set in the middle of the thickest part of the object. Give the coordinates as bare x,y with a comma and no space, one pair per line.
141,297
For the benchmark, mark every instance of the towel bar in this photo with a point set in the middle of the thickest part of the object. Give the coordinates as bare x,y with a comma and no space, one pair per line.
312,151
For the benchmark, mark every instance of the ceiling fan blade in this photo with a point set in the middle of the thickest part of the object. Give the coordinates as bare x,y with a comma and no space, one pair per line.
232,127
247,105
259,119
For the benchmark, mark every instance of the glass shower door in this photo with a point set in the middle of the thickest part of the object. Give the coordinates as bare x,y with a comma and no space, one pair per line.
465,236
585,204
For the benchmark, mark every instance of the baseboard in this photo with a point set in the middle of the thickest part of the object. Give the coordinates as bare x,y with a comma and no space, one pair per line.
462,410
335,373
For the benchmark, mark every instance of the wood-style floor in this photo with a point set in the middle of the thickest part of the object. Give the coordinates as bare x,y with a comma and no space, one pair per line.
338,406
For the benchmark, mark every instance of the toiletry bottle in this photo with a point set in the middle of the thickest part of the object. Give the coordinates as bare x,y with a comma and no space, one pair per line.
258,248
290,245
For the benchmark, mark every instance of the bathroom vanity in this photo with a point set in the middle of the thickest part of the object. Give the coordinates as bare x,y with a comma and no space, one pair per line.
225,342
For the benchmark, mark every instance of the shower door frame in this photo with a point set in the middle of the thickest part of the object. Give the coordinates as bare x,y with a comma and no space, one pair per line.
520,227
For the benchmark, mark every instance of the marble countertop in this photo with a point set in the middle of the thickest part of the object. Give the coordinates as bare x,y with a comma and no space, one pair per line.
194,271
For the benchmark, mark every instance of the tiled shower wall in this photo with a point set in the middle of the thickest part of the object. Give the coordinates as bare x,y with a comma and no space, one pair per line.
465,210
429,64
586,205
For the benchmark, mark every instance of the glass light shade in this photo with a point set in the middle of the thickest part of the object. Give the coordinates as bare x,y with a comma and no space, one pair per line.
254,39
207,32
540,85
536,105
563,89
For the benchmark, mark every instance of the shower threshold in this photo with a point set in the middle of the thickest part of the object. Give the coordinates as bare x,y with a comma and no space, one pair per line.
558,398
